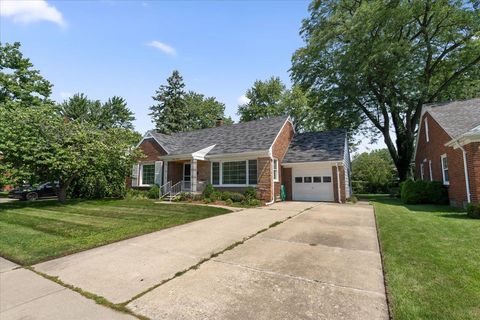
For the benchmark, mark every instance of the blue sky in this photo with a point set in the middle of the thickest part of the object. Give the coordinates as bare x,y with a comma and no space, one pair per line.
129,48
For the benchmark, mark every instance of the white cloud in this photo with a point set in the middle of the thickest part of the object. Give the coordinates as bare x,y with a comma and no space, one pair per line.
243,99
163,47
29,11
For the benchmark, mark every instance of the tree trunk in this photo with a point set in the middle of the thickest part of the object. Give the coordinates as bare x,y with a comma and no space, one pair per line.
403,160
62,190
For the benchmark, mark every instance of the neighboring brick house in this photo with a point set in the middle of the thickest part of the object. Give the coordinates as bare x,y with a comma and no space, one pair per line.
448,149
264,153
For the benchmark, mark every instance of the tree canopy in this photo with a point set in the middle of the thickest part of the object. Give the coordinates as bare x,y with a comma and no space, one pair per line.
41,145
114,113
375,63
373,172
20,83
271,98
177,110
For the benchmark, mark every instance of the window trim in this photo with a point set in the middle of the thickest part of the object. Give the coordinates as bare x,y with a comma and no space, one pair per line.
220,172
425,124
422,171
444,156
140,175
275,169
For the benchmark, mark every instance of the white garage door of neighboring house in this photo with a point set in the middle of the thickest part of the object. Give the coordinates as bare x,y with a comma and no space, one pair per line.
312,184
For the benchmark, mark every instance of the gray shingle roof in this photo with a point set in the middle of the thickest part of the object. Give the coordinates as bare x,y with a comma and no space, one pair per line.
317,146
236,138
456,117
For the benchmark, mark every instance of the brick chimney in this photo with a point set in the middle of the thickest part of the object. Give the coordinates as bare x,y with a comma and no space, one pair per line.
219,123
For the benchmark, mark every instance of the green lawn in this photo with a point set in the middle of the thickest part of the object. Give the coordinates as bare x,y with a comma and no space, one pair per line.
432,260
3,194
34,232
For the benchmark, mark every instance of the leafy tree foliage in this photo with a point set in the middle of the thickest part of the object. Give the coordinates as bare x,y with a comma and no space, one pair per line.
112,114
377,62
271,98
203,112
373,172
170,113
20,84
45,146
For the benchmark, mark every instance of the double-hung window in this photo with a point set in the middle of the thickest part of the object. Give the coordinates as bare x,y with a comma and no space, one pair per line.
275,170
242,172
444,162
148,174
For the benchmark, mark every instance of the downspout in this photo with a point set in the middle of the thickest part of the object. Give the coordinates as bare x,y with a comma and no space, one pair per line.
467,180
338,183
272,184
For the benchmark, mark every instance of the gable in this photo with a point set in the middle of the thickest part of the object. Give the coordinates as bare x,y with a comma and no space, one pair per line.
151,149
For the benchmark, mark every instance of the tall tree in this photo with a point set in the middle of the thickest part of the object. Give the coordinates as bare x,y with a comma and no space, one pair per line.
112,114
373,172
20,84
378,62
264,100
271,98
203,112
169,113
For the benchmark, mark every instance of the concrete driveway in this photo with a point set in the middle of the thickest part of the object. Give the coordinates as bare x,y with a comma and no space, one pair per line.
322,262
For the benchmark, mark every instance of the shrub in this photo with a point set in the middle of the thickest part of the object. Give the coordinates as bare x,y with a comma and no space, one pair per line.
237,197
136,193
353,199
250,193
216,195
185,196
226,196
228,202
207,200
197,197
207,192
473,210
153,193
252,202
416,192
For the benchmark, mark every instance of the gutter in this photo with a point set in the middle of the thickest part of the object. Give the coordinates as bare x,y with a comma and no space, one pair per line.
467,180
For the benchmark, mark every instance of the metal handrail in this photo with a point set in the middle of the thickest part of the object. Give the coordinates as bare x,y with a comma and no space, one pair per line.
165,189
176,189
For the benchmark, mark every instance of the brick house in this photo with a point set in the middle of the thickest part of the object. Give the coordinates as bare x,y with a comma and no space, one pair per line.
448,149
264,154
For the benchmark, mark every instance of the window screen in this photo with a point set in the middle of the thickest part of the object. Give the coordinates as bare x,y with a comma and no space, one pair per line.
234,172
252,171
148,174
215,173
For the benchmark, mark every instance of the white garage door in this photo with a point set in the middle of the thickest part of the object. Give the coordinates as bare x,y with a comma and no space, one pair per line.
312,184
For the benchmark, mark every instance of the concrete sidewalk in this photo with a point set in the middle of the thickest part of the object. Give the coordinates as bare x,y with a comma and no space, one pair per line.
322,264
122,270
26,295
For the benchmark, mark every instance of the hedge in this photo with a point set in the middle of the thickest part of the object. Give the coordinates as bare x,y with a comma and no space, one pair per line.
473,210
426,192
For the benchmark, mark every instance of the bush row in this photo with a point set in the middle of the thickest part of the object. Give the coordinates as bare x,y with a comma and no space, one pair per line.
425,192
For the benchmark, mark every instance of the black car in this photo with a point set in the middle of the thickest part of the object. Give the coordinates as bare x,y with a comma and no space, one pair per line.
49,189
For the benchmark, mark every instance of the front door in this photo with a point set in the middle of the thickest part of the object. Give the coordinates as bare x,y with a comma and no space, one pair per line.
186,176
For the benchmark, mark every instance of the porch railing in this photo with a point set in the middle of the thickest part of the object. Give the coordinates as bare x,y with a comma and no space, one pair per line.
173,190
165,189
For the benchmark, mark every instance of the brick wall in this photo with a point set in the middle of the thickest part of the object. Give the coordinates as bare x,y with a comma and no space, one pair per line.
341,171
264,183
473,164
279,149
432,151
152,150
